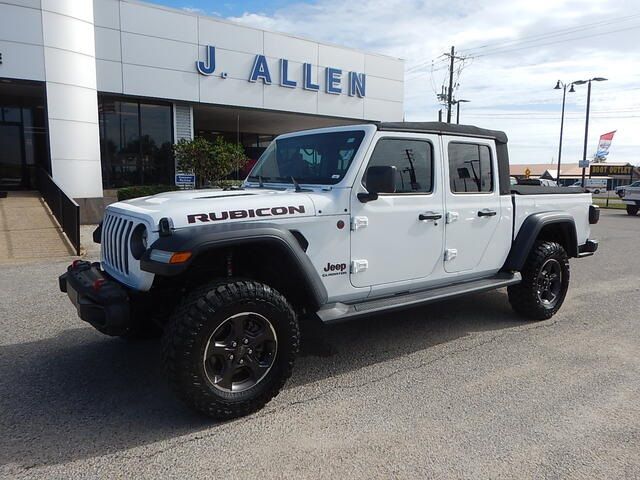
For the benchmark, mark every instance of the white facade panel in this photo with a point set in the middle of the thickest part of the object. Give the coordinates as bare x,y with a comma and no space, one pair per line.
69,102
106,13
230,92
158,52
109,76
346,60
159,83
383,110
294,49
74,141
71,68
158,22
108,44
384,67
14,64
238,64
340,105
78,177
19,24
384,89
24,3
229,36
290,99
79,9
67,33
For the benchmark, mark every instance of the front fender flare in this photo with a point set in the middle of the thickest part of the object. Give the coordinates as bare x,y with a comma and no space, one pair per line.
198,240
529,232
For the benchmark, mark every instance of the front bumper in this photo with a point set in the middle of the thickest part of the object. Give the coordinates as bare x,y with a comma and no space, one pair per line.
588,249
99,300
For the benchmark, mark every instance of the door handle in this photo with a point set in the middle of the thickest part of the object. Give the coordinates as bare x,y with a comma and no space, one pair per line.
487,213
429,216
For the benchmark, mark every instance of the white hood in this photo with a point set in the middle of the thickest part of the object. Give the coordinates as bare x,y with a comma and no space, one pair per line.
199,207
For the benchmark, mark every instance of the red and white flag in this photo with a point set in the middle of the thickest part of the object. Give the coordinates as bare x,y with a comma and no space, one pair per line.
604,144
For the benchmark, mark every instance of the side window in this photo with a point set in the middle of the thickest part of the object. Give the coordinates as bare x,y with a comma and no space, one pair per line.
470,168
413,160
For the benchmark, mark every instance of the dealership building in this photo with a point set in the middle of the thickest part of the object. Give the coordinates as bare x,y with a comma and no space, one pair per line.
96,92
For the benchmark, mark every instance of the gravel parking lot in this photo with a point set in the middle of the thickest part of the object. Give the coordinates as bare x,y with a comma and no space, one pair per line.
461,389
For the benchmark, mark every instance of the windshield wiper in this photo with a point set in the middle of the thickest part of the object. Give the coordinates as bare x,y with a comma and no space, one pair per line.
296,184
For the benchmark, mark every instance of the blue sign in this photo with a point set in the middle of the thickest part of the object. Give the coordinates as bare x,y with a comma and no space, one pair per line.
185,179
333,77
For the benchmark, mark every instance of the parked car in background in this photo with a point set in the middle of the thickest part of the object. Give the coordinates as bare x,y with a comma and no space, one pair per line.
593,185
620,190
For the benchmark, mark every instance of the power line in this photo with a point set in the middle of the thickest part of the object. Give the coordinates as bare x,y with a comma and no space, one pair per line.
554,33
506,47
591,35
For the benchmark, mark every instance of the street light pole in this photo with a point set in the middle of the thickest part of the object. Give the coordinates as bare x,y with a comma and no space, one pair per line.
586,123
564,96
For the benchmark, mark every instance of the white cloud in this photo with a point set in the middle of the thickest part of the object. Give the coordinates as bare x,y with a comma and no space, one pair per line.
512,91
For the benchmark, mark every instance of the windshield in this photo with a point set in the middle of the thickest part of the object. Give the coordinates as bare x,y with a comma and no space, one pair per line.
318,158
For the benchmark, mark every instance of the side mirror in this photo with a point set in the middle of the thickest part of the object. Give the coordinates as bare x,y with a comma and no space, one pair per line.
379,179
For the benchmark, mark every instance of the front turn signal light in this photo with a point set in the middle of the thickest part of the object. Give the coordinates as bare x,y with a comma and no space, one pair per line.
180,257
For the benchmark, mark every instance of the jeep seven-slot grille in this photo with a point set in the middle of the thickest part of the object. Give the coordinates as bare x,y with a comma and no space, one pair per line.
115,242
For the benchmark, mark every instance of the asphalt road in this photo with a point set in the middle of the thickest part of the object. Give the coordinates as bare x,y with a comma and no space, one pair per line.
461,389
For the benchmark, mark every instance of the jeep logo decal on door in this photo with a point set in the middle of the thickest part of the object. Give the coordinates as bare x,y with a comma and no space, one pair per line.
238,214
334,269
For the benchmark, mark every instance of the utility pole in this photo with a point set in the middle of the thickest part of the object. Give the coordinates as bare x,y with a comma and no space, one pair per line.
440,115
450,92
586,132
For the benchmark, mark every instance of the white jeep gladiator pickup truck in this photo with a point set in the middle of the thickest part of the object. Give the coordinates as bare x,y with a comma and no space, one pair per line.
631,197
331,224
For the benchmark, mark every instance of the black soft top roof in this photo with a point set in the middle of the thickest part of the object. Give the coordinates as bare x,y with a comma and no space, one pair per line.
443,128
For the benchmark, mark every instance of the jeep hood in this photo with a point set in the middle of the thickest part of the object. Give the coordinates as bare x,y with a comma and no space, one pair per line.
208,207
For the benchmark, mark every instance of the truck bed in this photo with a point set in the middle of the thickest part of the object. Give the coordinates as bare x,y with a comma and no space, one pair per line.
529,199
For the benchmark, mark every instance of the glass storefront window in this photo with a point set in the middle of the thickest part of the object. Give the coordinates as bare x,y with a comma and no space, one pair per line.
135,142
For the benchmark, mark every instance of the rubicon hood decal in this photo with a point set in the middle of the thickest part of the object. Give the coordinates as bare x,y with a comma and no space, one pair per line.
240,214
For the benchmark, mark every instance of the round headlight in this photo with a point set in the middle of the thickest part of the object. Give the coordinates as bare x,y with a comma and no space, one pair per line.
138,242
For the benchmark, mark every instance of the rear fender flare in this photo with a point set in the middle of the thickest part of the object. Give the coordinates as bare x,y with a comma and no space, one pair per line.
530,231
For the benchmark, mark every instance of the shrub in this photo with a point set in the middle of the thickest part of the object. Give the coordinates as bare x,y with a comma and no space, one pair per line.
210,161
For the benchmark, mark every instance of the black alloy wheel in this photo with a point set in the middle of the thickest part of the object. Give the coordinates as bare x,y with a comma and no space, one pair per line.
240,352
549,283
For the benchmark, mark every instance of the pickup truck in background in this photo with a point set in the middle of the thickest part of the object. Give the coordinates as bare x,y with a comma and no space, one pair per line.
593,185
331,224
631,197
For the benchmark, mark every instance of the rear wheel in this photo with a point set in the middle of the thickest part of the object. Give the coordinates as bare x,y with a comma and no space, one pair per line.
545,280
632,209
230,347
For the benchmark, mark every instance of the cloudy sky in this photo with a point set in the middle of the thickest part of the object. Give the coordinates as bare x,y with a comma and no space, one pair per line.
515,52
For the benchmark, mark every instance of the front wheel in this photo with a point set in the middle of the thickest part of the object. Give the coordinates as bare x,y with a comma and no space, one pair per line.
230,347
545,280
632,209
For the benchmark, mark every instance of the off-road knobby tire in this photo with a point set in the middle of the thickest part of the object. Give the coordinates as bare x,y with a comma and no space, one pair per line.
632,210
186,334
523,297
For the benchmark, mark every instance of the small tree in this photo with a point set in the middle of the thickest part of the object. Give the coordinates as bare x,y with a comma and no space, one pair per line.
210,161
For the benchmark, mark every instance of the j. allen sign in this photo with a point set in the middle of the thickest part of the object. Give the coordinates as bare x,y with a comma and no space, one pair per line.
334,77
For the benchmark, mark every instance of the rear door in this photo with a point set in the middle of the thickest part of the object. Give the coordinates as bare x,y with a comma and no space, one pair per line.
473,211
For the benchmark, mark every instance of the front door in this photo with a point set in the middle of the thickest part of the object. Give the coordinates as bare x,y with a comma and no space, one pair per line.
12,164
399,237
473,206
